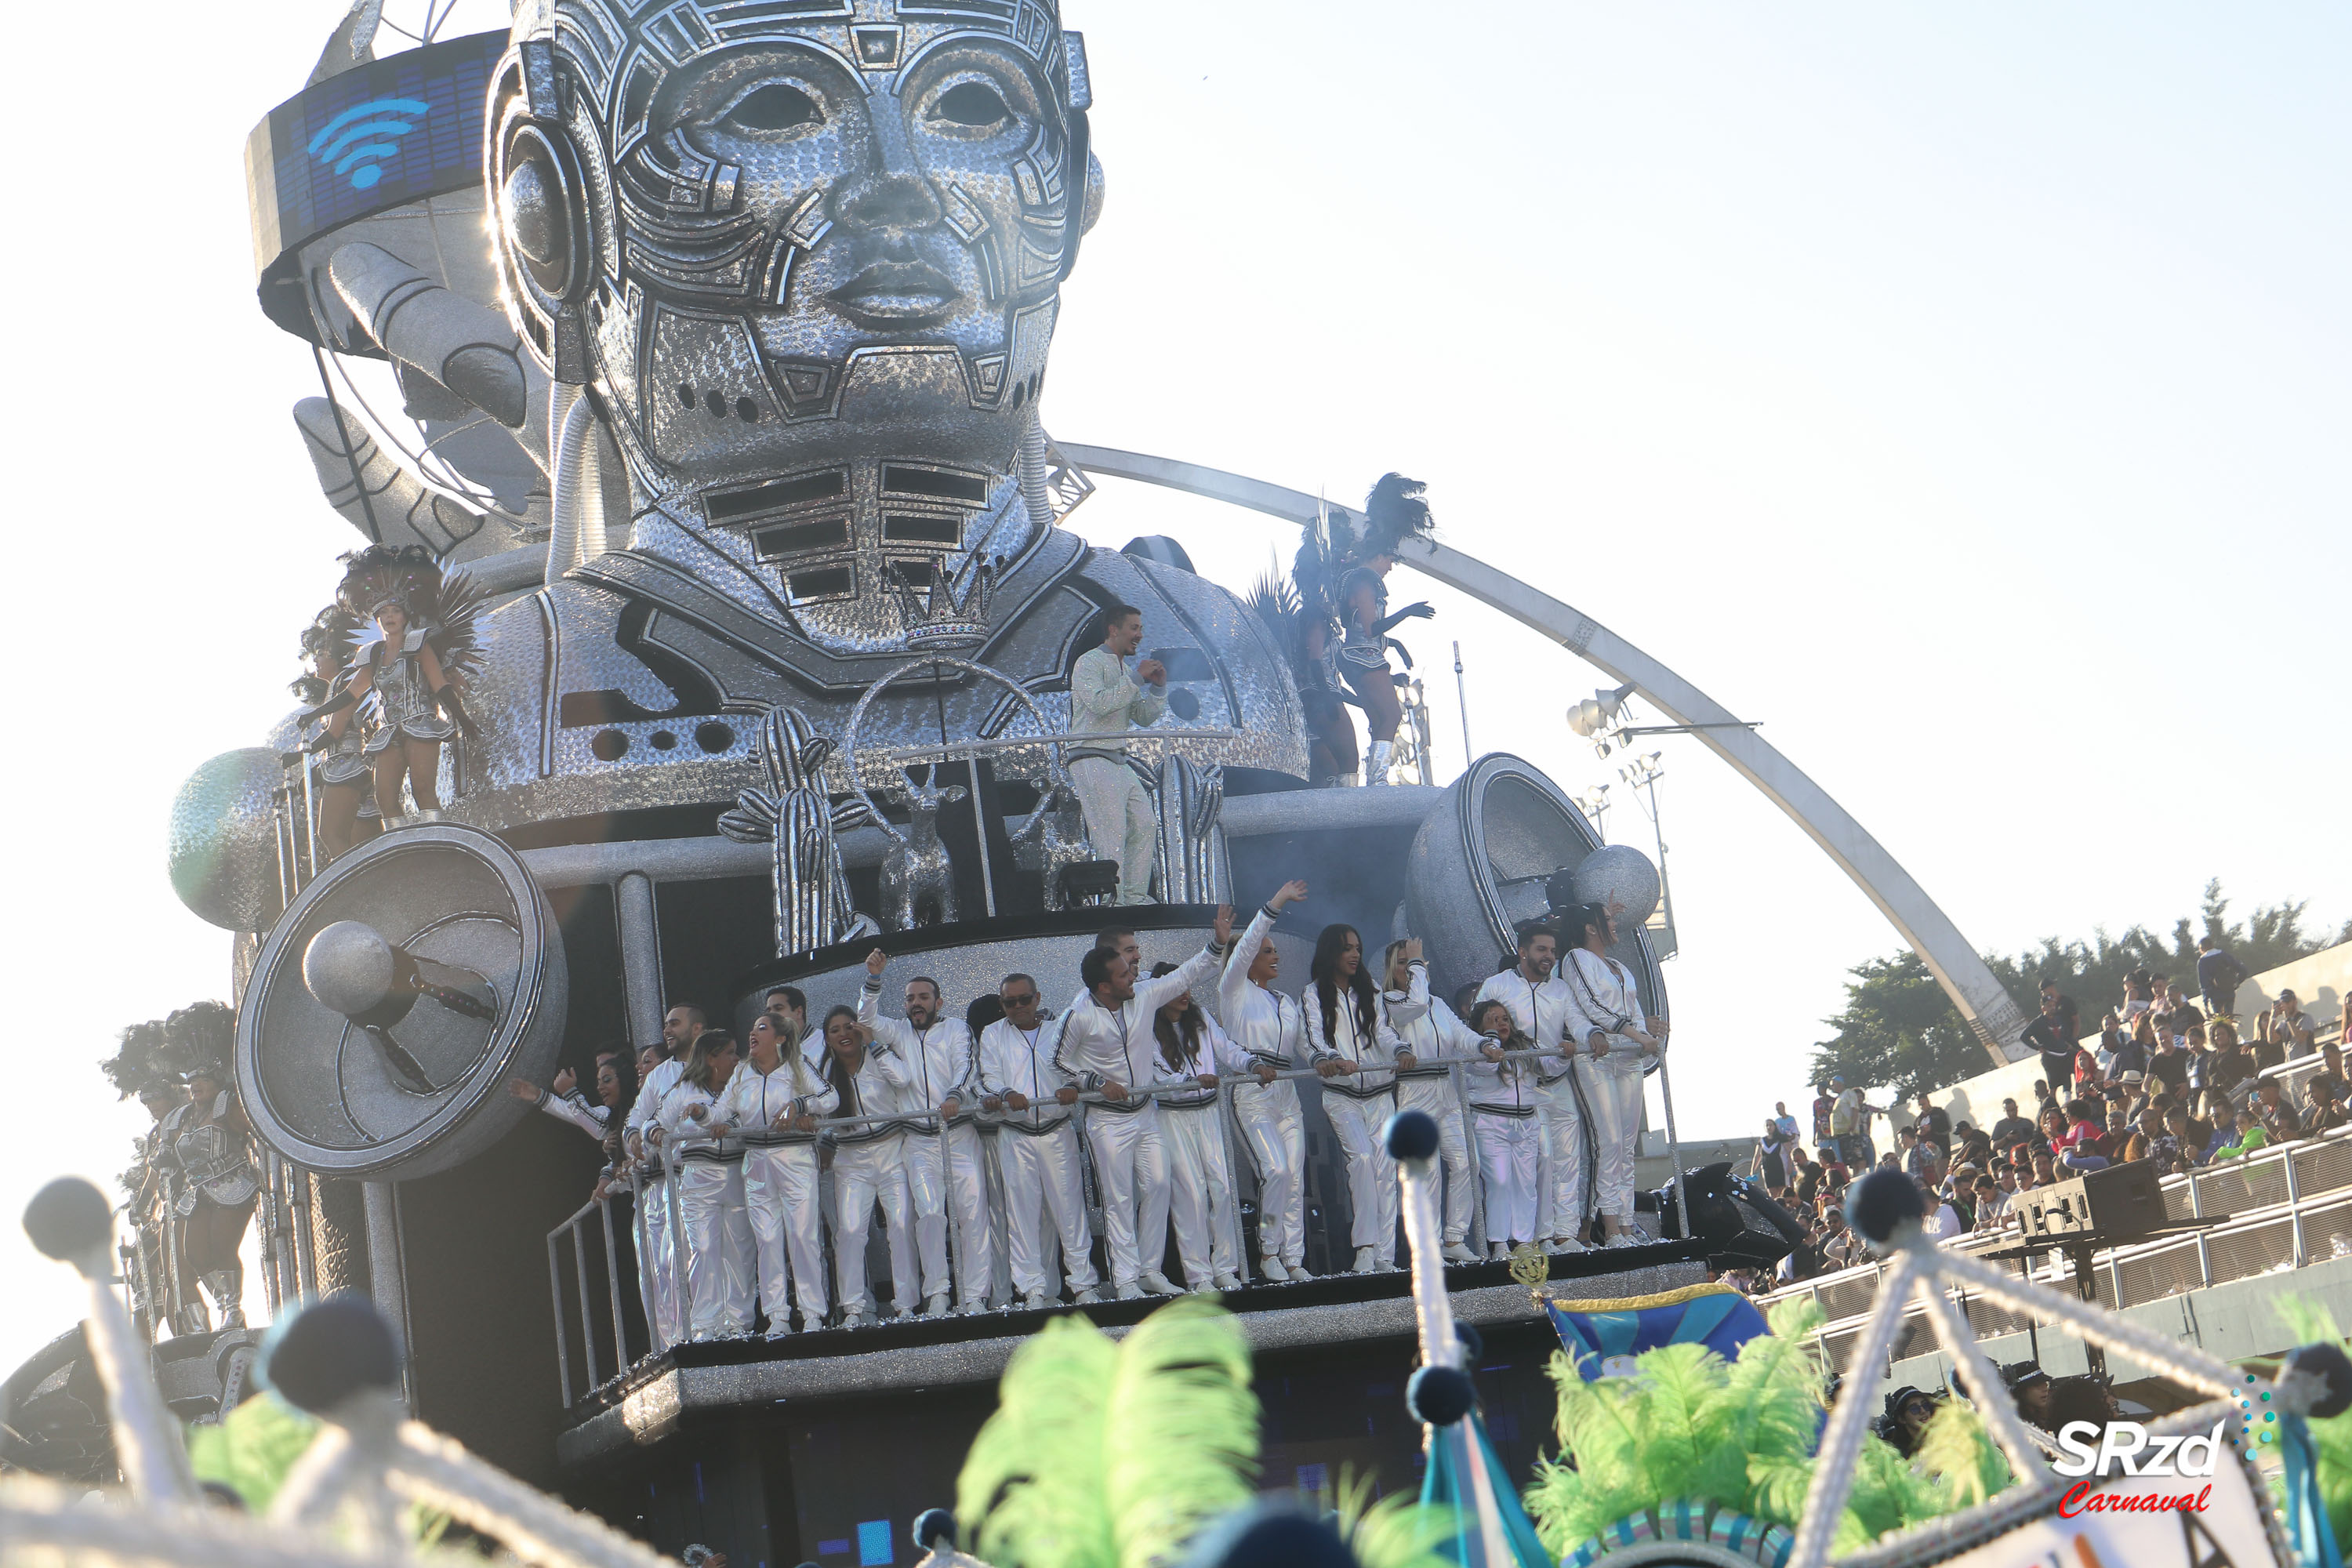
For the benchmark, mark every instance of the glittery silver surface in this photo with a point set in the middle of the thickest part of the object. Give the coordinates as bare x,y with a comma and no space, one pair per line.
651,1411
223,847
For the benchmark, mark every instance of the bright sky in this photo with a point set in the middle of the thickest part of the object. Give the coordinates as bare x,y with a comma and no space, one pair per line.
1958,390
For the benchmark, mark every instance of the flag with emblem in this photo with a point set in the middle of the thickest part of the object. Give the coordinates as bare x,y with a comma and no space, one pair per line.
1603,1336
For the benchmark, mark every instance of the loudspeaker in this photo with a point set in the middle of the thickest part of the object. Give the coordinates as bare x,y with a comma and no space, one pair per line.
1743,1228
2120,1202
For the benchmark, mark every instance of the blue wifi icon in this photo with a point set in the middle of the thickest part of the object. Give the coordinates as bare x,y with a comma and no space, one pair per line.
356,142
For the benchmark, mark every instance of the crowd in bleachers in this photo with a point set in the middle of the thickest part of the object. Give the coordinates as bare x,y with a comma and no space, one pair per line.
2163,1079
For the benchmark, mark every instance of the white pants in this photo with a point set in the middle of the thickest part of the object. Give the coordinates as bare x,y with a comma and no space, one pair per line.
780,1187
1612,1098
1563,1210
1120,822
1435,1098
1131,1170
657,1263
1371,1174
952,1179
740,1238
1274,1129
1046,1197
865,1174
718,1286
1510,1158
1201,1191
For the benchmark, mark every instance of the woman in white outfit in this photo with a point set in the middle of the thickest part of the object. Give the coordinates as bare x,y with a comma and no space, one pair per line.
1504,1099
1615,1040
1200,1179
772,1105
1271,1030
1352,1047
869,1167
718,1286
1430,1041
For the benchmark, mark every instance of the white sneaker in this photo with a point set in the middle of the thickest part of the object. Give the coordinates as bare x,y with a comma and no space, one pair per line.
857,1321
937,1306
975,1307
1275,1274
778,1330
1364,1261
1228,1282
1619,1242
1498,1251
1034,1301
1089,1296
1564,1246
1130,1292
1456,1252
1158,1284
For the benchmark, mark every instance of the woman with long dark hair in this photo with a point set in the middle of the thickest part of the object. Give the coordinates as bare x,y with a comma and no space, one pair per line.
1354,1051
718,1285
869,1167
1200,1181
1612,1040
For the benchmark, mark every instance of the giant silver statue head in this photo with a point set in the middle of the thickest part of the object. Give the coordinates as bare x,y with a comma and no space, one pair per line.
808,253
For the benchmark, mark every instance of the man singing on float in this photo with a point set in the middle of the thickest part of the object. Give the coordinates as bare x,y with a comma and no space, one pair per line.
1106,701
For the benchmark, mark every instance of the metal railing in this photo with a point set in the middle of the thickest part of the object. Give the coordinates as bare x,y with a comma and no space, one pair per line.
2286,1205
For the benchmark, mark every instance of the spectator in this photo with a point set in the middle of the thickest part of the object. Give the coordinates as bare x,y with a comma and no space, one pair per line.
1942,1221
2175,1012
2190,1135
2169,1065
1809,1181
2331,1071
1844,1250
2140,993
1824,1102
2030,1386
2219,975
2284,1032
2132,1050
1834,1173
1850,1124
2089,1073
2041,1094
2249,1138
1991,1204
2270,1106
1787,1122
2050,1035
2231,1065
2326,1112
1771,1163
1933,1121
2011,1128
2070,1017
2045,1168
1959,1190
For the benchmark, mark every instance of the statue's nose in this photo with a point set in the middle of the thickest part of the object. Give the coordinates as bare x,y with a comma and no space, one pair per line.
890,192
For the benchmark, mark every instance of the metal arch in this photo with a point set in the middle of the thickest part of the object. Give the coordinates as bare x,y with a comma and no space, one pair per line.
1996,1020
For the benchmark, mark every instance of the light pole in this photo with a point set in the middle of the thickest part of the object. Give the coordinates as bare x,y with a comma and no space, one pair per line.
1595,802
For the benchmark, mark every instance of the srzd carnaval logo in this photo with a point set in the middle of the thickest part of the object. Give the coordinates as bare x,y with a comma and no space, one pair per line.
2125,1448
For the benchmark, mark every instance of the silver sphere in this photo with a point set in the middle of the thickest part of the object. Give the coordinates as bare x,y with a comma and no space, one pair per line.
1619,874
349,968
224,848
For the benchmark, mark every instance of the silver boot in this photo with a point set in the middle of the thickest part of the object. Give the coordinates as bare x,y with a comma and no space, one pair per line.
228,1293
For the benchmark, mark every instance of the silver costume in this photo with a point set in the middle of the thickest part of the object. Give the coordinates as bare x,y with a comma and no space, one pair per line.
400,705
1040,1155
1106,701
869,1167
1200,1196
780,1185
945,1174
719,1282
1359,1105
1601,999
1541,1013
656,1257
1428,1028
1271,1030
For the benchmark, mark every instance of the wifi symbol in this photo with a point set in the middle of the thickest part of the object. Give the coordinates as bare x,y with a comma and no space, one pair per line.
356,142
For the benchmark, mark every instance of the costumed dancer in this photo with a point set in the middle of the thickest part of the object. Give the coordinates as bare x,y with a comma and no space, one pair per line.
1305,627
1271,1030
1429,1039
941,1173
408,668
1504,1099
869,1167
1113,797
1037,1147
1106,1045
347,811
1353,1049
1539,1004
718,1285
773,1104
656,1256
1200,1178
213,1148
1394,511
142,1066
1614,1040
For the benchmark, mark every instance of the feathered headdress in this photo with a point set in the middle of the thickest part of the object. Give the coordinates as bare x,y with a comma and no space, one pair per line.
201,1038
1397,510
141,1060
331,631
443,605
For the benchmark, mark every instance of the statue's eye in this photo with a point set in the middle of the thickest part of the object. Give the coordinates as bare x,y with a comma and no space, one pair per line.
778,106
974,103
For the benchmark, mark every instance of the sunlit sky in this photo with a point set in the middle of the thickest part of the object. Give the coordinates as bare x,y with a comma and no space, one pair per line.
1961,391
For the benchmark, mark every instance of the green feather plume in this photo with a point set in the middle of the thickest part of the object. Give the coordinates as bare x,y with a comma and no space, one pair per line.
1032,1487
2309,1322
1396,1531
1966,1464
1181,1430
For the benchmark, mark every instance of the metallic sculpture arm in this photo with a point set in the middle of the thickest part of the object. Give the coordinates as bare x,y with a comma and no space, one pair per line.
1907,905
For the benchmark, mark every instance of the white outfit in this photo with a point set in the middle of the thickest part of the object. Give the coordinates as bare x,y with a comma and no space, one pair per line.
1601,996
941,1172
572,1106
1200,1196
1121,823
718,1297
1503,1100
1271,1031
1040,1156
869,1167
1436,1038
656,1252
1100,1045
1541,1013
1359,1105
780,1184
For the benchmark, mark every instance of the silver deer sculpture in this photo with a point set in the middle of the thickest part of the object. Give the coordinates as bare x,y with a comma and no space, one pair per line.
1054,839
916,867
796,816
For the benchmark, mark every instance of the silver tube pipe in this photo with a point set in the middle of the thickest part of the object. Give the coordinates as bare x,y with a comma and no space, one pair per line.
555,1300
640,935
613,1284
587,1320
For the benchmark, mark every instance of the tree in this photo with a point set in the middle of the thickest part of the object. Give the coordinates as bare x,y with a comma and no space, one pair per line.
1900,1029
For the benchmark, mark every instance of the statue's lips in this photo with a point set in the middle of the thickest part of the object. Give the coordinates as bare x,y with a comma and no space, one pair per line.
897,291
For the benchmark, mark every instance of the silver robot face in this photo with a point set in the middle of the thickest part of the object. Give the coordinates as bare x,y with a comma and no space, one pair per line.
780,236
